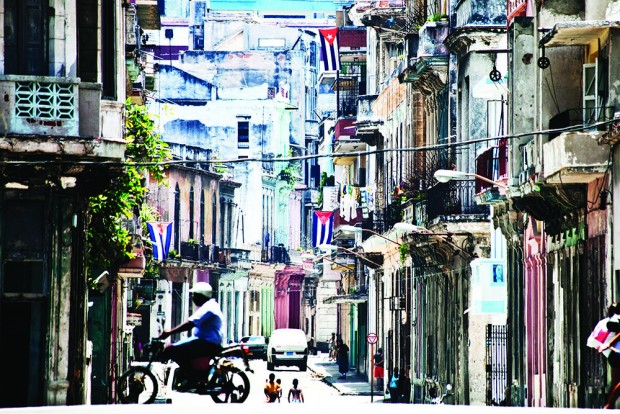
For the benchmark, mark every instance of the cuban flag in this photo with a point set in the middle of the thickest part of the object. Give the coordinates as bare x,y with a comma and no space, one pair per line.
322,225
330,59
161,234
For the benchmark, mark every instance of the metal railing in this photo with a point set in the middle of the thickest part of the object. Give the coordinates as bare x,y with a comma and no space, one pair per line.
455,197
581,116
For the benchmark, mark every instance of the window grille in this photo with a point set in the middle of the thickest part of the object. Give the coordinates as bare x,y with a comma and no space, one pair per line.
45,100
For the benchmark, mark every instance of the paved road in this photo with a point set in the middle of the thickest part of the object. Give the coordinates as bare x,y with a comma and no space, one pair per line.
322,389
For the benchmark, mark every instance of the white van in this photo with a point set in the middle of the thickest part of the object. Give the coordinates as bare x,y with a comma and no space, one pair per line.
287,347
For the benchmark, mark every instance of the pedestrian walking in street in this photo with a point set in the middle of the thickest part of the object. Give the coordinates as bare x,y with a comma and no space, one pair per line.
404,386
379,371
295,394
606,339
342,358
393,386
332,347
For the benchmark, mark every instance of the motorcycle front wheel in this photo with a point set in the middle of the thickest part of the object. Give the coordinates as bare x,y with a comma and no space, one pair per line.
233,386
137,385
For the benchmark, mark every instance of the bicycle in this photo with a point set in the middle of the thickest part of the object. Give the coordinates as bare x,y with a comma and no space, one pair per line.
219,378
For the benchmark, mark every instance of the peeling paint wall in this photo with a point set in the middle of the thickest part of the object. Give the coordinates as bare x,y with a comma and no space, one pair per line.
253,87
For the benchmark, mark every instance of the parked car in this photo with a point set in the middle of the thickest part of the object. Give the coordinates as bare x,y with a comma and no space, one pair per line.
287,347
256,345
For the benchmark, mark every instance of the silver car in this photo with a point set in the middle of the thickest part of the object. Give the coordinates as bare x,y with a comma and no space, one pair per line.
287,347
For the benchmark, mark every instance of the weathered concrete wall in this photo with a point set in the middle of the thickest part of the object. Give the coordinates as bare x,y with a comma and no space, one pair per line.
243,84
481,12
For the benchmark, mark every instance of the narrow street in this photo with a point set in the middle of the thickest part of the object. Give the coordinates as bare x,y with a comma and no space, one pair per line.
315,390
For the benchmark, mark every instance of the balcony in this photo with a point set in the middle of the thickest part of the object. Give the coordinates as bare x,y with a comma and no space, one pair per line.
515,8
492,163
60,107
581,116
278,254
367,124
311,129
190,251
481,13
428,71
454,199
575,158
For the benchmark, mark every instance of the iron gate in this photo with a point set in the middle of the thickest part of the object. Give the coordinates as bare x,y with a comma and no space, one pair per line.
496,364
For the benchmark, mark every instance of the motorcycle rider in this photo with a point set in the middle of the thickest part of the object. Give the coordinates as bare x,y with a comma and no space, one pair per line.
205,340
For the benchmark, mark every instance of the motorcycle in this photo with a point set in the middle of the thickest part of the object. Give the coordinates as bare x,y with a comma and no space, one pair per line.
218,377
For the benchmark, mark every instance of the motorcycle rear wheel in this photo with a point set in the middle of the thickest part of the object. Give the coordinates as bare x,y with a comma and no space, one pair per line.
137,385
235,387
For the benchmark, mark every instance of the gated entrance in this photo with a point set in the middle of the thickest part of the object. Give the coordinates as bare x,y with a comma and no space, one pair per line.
496,361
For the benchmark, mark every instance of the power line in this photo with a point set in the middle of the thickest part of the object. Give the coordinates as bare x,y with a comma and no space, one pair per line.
317,156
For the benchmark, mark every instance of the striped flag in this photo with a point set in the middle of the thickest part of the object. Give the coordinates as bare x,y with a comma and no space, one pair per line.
330,58
161,234
322,225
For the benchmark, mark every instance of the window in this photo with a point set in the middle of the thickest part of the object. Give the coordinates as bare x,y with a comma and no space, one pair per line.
177,218
590,93
202,216
25,30
243,134
191,212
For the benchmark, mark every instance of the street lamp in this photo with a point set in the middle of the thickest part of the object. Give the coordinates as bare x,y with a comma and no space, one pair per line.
443,176
354,229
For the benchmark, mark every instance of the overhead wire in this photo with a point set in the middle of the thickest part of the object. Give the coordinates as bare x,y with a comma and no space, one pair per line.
317,156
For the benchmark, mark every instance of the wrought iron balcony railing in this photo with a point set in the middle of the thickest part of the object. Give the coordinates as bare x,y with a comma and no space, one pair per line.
453,198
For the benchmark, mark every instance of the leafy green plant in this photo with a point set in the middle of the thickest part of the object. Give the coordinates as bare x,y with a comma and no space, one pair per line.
435,17
291,171
220,167
403,251
108,242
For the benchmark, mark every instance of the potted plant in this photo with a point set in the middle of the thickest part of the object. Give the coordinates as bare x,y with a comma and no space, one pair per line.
189,249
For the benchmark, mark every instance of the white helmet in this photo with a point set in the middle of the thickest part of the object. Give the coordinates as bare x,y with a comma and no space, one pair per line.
202,288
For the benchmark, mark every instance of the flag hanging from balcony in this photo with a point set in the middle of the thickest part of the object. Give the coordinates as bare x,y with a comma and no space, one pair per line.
330,59
322,225
161,234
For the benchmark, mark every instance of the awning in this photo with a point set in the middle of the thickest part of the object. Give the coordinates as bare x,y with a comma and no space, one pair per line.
578,33
350,298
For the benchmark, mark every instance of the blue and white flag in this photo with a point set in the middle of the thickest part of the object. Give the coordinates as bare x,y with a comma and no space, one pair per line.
161,234
330,52
322,227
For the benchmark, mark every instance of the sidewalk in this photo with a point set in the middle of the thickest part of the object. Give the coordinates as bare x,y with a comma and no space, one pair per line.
354,384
